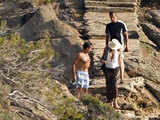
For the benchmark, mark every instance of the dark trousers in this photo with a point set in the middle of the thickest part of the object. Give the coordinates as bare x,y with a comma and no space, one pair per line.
111,83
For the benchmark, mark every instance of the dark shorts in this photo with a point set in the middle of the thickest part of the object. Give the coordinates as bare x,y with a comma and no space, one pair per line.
111,76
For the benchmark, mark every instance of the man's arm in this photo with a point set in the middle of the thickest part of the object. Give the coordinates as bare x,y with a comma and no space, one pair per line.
107,38
127,42
103,60
74,67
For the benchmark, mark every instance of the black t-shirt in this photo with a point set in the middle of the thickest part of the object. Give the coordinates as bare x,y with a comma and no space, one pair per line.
116,30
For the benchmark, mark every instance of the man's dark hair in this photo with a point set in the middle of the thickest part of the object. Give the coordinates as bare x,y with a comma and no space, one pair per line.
112,13
87,45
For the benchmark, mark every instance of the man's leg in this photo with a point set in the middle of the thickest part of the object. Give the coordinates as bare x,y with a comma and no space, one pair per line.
78,92
86,84
85,90
79,89
85,87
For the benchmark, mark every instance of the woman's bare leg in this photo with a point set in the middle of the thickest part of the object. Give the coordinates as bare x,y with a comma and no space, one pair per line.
115,103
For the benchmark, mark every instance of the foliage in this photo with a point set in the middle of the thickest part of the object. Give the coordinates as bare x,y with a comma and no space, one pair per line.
67,110
17,66
4,103
4,91
3,25
48,1
64,107
6,115
98,108
15,46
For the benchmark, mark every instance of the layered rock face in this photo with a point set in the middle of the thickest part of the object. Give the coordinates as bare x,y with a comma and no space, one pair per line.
40,93
150,26
37,98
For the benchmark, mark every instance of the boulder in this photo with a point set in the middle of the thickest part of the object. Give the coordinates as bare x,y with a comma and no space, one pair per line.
152,32
155,17
65,39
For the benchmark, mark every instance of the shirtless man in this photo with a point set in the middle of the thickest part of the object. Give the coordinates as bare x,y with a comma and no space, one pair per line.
80,69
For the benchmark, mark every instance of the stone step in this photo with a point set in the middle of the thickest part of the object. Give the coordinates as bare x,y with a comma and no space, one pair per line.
102,41
97,40
154,88
101,28
114,0
104,18
98,30
134,44
101,34
129,83
134,47
132,35
99,46
108,9
153,85
131,24
110,4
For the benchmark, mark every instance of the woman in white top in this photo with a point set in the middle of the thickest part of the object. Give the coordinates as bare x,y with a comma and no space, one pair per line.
112,59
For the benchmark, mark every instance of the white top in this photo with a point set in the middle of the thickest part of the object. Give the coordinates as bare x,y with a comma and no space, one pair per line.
113,63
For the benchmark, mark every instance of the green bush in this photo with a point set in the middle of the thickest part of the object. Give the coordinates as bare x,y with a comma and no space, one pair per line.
96,106
4,103
49,1
67,110
3,25
64,107
6,115
14,45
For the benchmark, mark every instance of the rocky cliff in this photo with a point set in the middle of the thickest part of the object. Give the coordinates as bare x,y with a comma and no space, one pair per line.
38,42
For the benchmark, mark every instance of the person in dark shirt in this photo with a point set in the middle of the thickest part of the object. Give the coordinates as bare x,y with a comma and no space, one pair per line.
117,29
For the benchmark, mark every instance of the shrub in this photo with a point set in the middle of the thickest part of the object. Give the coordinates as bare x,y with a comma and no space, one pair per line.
3,25
98,108
64,107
